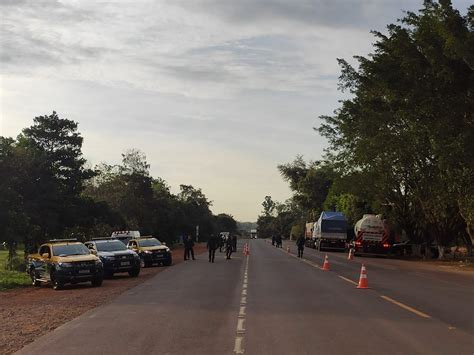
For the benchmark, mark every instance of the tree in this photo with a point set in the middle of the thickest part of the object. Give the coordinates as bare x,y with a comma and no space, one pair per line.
62,144
225,223
310,182
409,124
268,206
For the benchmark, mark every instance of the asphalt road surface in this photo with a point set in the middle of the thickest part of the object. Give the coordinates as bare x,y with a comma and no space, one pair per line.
274,303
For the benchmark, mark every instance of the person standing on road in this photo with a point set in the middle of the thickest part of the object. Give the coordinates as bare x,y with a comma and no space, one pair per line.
279,241
188,248
212,245
228,247
273,240
300,244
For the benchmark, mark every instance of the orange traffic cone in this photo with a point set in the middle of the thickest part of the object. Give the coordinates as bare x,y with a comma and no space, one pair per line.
247,252
326,263
351,254
363,282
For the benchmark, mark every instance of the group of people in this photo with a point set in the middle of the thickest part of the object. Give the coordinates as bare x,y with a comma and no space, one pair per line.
229,244
277,241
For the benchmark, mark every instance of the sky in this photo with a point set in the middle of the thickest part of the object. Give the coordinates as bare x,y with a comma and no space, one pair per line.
215,93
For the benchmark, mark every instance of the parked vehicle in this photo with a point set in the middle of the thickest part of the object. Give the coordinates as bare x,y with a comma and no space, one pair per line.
309,241
151,251
253,234
125,236
330,231
63,261
115,256
372,236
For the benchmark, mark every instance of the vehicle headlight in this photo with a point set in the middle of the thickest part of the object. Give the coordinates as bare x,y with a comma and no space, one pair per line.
168,250
147,252
136,256
109,258
65,265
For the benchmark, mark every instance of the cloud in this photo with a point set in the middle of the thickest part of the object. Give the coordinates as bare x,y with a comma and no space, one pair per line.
330,13
217,93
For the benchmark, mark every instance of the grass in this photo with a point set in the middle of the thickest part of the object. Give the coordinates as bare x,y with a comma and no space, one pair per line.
11,279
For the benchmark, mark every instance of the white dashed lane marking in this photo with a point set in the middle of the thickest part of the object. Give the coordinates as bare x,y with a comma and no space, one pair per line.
238,345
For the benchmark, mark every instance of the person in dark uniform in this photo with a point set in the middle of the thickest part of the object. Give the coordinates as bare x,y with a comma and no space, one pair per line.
278,241
228,247
188,248
300,244
273,240
212,245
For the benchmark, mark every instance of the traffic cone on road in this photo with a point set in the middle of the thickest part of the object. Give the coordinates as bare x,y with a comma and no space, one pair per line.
363,282
351,254
326,263
288,249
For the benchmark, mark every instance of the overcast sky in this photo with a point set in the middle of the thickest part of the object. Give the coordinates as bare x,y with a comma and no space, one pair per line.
216,93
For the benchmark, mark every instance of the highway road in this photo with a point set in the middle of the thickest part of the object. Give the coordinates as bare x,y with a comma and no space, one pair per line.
274,303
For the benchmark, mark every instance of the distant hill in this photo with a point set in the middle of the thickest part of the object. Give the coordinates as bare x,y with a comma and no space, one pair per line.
246,226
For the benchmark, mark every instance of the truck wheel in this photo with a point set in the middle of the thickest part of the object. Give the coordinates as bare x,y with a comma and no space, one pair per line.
34,280
97,282
57,285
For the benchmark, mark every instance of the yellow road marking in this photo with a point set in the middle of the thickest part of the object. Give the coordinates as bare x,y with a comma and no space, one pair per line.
348,280
404,306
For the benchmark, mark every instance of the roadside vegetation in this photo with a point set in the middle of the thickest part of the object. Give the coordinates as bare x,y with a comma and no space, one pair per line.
402,145
11,278
48,191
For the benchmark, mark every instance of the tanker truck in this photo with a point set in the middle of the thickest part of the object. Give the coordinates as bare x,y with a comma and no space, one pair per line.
372,236
330,231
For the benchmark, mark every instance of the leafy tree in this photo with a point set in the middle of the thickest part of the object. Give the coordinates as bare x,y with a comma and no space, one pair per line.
62,145
225,223
409,123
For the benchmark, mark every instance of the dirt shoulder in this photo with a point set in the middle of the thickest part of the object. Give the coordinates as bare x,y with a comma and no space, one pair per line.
28,313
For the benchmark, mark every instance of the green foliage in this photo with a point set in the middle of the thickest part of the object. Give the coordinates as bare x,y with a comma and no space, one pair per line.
225,223
14,277
46,191
279,219
409,126
310,182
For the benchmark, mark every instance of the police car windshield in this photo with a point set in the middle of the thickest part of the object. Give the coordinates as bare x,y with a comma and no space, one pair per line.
70,249
149,243
113,245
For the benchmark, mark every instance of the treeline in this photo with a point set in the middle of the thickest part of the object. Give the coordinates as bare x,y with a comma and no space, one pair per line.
403,144
48,191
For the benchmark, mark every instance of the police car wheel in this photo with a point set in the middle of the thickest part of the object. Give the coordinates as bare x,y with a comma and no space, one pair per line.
97,282
57,285
34,280
134,272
